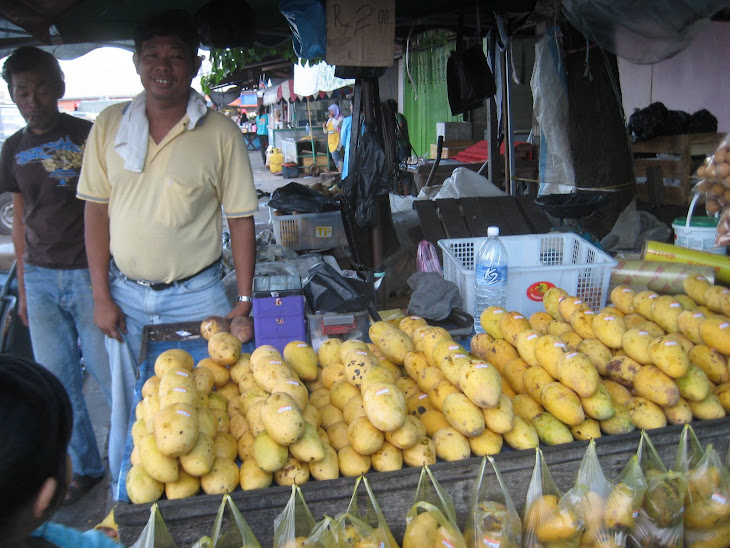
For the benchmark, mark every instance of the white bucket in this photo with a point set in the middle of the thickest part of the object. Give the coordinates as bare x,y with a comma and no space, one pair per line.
696,233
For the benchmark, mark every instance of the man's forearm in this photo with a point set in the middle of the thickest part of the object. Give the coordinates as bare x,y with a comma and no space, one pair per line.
96,235
18,236
243,247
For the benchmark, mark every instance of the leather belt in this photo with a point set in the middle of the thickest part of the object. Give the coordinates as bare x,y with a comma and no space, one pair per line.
160,286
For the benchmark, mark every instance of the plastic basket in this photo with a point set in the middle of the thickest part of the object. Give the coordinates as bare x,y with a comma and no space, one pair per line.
310,230
536,263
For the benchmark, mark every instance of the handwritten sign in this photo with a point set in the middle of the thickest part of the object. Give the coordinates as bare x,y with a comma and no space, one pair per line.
360,33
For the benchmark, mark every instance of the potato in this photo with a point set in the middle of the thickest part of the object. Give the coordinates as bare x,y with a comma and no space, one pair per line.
141,487
174,357
665,310
534,379
407,435
609,328
185,486
709,408
176,429
212,325
222,478
463,415
589,429
539,321
302,359
681,413
548,350
550,430
695,285
364,437
522,436
513,374
328,467
268,454
156,464
421,454
220,373
599,406
282,418
224,349
489,321
620,423
622,297
526,407
499,419
352,463
251,476
563,403
385,406
642,302
695,385
481,383
486,443
526,346
551,300
245,445
242,328
622,369
451,445
711,362
512,324
578,373
294,472
669,356
654,385
645,414
387,458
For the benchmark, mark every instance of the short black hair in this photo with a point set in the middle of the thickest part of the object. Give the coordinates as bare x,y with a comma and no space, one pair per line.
37,424
262,110
177,23
30,58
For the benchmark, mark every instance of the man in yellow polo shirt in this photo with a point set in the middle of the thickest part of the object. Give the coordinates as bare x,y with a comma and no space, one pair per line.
155,174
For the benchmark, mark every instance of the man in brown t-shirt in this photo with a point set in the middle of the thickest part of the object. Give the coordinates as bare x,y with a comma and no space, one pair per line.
40,165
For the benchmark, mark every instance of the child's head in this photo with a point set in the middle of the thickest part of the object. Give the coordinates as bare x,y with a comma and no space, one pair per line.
34,467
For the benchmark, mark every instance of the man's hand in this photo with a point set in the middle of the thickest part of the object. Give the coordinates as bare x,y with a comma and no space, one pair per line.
241,309
109,318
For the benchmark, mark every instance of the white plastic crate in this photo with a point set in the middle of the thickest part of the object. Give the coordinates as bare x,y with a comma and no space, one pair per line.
310,230
536,263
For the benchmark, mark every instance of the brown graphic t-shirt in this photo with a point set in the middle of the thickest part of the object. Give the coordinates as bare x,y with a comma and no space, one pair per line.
45,170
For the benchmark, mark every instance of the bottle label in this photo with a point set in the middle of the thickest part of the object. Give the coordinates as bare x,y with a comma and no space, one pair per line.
491,275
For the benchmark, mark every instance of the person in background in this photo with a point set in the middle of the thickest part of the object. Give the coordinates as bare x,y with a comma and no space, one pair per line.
332,127
35,469
262,130
157,175
345,136
40,165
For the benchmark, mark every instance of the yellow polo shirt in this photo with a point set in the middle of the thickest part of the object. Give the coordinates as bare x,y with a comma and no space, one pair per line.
165,223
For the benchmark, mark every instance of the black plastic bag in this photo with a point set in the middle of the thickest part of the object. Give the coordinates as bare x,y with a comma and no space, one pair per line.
656,120
369,178
469,79
702,121
328,291
296,197
308,23
645,123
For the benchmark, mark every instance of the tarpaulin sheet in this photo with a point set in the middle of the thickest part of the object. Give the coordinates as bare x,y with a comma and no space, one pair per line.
198,348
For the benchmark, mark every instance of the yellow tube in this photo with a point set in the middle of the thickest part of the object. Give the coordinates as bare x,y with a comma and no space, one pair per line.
664,278
668,253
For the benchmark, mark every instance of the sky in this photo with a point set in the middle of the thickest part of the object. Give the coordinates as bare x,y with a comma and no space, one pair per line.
104,72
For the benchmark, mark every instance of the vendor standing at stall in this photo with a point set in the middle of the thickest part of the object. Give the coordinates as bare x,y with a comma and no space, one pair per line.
262,131
40,165
156,172
332,127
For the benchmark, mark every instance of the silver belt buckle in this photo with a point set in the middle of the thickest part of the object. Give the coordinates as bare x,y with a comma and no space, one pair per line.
144,283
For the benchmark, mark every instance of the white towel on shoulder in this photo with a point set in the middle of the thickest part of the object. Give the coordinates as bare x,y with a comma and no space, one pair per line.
134,129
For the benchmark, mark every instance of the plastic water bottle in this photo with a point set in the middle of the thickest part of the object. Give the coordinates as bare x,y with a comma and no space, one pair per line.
307,128
490,286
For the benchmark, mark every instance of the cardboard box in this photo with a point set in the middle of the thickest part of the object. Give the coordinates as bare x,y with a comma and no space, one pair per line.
454,131
360,33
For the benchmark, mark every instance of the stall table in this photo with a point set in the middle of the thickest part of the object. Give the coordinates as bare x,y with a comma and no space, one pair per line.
249,138
191,518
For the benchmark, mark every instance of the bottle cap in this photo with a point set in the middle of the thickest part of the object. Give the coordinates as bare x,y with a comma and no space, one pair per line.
493,231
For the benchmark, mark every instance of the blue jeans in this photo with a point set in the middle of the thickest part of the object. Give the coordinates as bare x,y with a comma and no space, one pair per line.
61,313
191,300
337,159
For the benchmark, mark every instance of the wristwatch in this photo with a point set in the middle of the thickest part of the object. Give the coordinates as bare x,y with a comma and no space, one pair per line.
244,299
